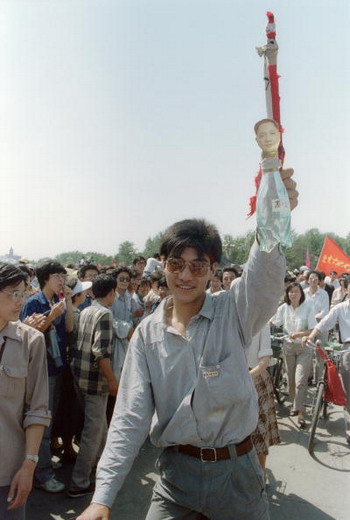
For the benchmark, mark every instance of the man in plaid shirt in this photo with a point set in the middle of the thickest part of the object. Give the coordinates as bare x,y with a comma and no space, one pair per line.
94,380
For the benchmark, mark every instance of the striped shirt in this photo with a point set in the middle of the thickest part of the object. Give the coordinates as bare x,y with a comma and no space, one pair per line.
95,337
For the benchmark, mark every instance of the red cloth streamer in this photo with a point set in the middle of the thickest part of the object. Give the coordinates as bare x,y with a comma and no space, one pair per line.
271,19
276,115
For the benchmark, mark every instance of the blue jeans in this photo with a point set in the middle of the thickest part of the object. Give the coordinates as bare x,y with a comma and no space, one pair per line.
44,470
189,489
14,514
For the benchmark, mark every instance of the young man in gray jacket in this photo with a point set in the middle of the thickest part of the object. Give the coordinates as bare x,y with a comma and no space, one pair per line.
186,381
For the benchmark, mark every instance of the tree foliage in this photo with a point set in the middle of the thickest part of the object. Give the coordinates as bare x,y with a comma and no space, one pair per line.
152,245
235,249
74,257
126,253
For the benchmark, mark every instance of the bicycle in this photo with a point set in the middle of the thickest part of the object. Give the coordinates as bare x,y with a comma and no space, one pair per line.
323,395
277,368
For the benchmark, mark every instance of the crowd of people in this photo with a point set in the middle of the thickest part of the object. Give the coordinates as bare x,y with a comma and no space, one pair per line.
65,357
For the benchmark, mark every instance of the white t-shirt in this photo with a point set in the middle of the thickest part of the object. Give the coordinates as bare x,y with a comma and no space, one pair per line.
295,319
320,300
335,282
260,347
341,313
151,265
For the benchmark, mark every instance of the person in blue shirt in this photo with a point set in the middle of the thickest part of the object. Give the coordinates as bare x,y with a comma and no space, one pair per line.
55,303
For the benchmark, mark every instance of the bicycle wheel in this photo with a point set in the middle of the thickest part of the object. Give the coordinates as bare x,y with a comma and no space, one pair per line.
315,415
279,383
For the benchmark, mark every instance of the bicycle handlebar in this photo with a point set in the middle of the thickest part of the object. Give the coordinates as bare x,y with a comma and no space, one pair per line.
279,338
325,353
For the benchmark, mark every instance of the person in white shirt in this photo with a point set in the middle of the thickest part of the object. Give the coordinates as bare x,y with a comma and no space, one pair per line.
339,295
332,279
153,263
341,314
297,316
320,299
317,295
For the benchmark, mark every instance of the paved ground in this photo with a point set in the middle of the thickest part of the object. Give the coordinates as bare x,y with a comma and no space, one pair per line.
299,486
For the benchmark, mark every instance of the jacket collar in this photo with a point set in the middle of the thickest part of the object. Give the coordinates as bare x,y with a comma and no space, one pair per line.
207,310
12,331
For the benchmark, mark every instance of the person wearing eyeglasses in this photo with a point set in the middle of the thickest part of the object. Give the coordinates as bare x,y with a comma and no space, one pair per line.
122,318
58,321
186,381
23,395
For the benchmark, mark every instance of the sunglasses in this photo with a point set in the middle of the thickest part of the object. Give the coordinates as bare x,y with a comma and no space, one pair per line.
197,267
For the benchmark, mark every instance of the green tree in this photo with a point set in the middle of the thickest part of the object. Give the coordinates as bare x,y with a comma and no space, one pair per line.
236,250
126,253
295,255
71,257
74,257
228,247
152,245
99,258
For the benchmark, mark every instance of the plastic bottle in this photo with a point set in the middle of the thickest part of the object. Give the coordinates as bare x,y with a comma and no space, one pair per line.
273,208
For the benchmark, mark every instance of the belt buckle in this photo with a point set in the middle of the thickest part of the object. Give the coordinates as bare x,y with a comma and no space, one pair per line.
215,455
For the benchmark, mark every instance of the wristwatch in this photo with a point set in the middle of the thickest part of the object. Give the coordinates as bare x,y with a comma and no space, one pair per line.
33,458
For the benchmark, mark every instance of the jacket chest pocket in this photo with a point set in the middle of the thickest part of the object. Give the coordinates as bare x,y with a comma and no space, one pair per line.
223,383
12,380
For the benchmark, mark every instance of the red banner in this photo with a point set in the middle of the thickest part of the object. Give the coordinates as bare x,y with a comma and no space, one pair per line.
333,258
307,259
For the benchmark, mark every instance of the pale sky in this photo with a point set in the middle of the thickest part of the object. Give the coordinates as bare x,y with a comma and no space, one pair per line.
119,117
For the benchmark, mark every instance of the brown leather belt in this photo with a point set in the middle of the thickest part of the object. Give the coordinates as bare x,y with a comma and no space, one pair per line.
215,454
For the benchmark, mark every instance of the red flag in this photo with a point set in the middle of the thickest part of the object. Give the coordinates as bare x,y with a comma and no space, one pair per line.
333,258
307,259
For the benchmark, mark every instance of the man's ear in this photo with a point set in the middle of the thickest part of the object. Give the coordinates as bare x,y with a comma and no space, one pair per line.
214,267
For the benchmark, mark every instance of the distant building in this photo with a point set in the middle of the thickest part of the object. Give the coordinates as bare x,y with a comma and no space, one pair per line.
10,258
